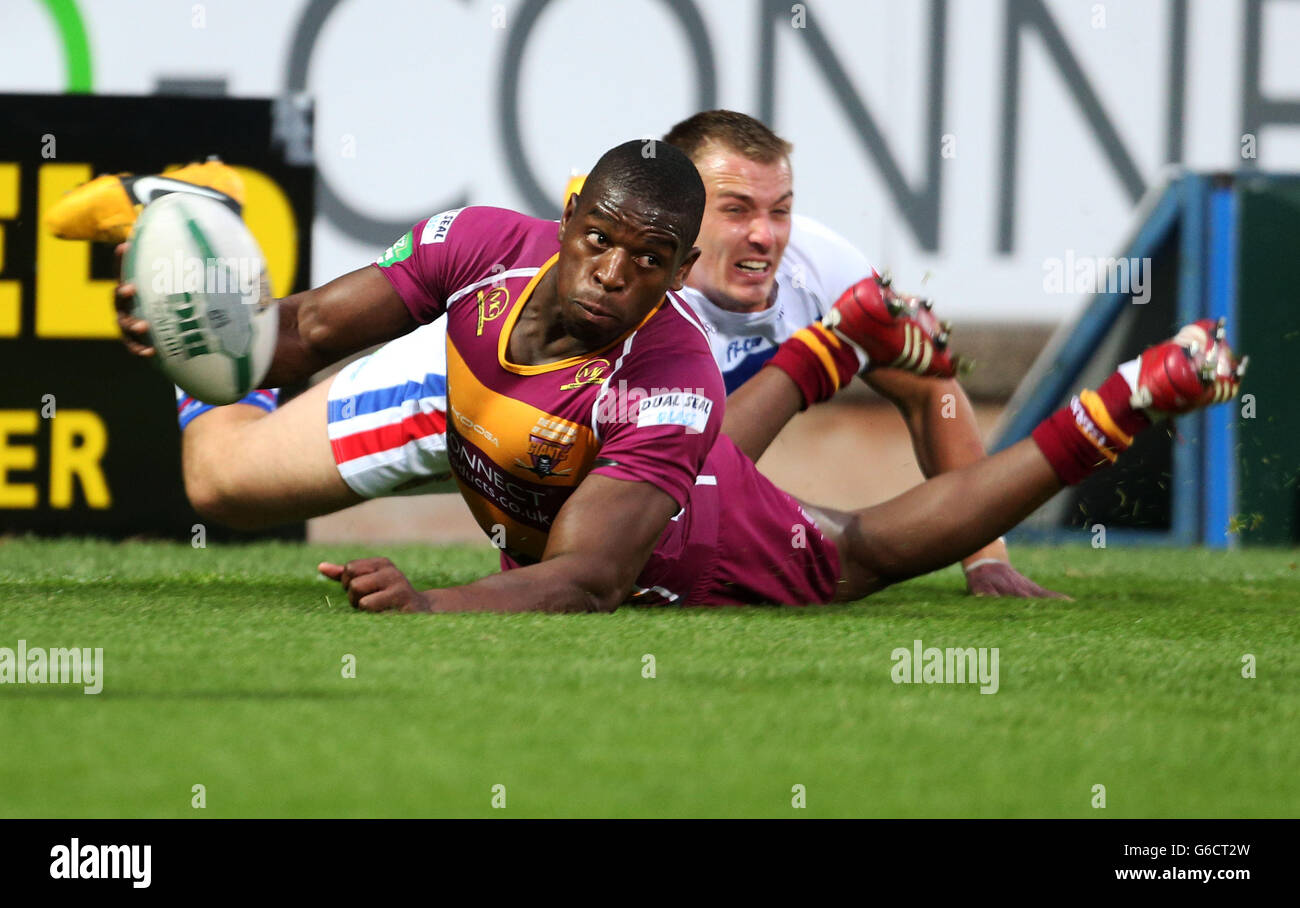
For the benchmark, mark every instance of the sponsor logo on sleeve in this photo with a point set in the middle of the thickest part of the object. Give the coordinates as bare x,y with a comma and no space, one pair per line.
676,408
398,252
437,227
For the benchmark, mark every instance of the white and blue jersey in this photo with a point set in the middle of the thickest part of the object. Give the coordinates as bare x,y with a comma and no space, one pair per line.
818,265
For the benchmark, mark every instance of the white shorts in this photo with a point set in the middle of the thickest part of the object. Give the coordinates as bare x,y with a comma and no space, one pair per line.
388,417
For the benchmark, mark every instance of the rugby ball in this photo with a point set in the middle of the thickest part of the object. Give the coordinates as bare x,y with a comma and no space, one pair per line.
200,281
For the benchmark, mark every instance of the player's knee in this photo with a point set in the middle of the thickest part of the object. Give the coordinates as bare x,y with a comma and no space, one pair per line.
219,504
217,496
876,553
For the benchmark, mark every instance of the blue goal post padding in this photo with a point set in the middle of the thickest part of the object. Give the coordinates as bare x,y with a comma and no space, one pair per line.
1204,209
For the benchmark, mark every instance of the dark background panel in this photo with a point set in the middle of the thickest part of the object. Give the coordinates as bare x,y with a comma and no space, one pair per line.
1268,445
135,401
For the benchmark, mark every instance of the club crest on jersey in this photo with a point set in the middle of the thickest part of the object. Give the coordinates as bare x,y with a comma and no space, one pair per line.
549,443
491,305
589,373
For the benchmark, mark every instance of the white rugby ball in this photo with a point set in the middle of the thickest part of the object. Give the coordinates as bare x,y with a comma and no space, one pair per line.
200,281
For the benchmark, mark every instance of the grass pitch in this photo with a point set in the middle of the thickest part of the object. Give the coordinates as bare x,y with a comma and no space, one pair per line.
223,667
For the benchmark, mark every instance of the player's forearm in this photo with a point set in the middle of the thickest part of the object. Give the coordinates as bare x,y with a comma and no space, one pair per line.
758,410
564,584
946,437
941,423
295,360
325,325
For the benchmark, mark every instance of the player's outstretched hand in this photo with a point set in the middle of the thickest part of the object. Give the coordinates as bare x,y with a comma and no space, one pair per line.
376,585
134,330
997,578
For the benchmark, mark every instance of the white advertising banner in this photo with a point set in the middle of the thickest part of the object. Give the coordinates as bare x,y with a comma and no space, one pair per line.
985,147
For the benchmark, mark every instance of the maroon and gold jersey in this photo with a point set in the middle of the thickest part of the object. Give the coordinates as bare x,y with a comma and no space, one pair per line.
521,438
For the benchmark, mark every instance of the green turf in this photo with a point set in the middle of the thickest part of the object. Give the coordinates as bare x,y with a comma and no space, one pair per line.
223,667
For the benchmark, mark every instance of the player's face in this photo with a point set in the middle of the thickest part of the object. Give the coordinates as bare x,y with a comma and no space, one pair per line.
745,229
618,258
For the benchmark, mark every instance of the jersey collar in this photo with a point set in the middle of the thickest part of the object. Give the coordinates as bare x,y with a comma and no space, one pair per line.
503,341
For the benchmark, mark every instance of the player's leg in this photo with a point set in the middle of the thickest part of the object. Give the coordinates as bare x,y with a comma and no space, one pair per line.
953,514
938,522
249,469
377,428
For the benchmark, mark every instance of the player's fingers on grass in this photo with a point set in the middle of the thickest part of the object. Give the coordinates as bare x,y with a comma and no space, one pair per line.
384,600
356,568
372,582
1053,594
1027,588
359,566
380,591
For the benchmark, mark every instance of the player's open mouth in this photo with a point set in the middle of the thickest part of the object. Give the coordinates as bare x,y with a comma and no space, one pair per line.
755,270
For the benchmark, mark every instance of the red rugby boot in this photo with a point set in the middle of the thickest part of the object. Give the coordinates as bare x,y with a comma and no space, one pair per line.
892,330
1194,369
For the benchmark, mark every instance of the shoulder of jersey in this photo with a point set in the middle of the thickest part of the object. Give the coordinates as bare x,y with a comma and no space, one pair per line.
673,347
810,238
501,221
680,320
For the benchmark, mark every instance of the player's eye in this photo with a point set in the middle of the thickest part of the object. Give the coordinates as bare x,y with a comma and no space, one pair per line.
648,261
597,238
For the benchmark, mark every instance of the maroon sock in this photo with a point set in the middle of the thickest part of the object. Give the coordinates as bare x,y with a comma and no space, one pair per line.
1090,431
817,361
1115,393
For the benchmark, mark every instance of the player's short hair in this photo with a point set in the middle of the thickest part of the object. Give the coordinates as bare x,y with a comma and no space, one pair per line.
657,174
737,131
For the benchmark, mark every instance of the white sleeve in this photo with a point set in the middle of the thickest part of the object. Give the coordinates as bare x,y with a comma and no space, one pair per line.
835,262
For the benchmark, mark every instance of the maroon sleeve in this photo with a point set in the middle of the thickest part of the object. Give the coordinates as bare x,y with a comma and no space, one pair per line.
659,417
434,258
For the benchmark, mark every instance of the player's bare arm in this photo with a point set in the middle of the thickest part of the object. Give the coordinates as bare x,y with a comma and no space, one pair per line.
599,543
318,327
